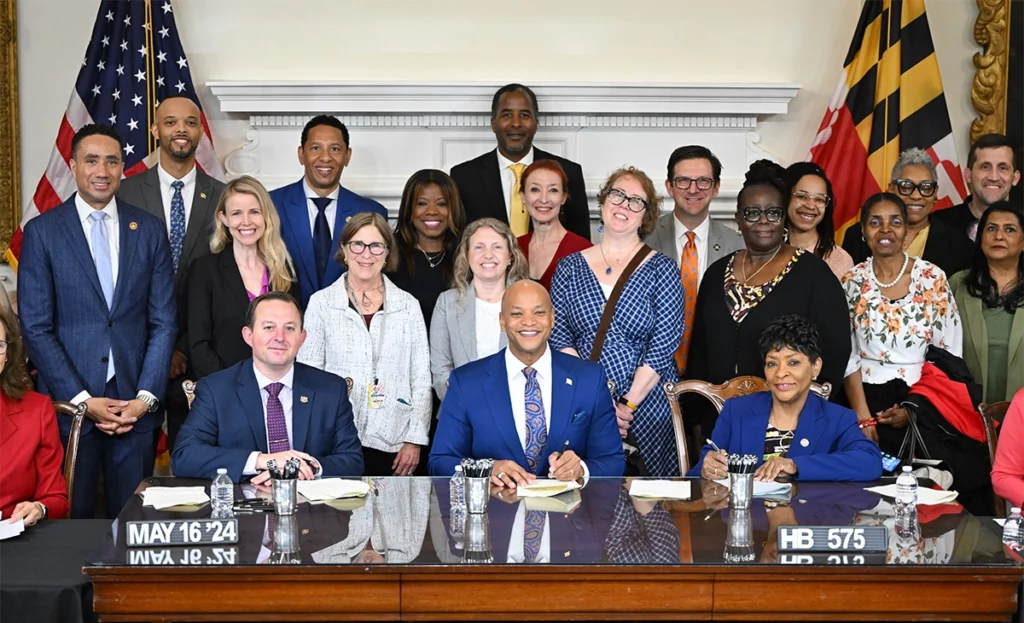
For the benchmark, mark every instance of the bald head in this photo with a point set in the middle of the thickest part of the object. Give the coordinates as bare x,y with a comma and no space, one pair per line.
178,127
527,318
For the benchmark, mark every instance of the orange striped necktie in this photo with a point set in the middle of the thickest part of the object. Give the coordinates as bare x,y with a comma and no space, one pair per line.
688,268
518,218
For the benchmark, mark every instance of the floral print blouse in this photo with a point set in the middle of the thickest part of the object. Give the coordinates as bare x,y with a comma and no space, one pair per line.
890,337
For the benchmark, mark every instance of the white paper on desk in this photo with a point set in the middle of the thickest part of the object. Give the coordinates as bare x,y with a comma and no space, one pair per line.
925,497
660,489
999,521
166,497
546,487
332,489
8,530
770,489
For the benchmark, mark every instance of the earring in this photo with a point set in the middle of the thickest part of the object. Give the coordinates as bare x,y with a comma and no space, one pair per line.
600,228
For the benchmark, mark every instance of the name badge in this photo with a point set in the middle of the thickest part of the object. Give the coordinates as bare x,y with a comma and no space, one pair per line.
833,538
182,532
375,395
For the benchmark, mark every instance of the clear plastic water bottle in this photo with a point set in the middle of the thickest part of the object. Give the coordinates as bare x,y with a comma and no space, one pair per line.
1012,530
457,498
222,495
906,504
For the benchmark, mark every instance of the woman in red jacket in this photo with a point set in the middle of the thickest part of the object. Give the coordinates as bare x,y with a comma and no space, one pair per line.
1008,470
31,483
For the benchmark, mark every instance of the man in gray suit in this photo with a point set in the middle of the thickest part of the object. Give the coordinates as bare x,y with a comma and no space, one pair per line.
185,199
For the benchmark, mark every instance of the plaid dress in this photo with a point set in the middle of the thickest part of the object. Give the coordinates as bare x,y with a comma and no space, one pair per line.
646,329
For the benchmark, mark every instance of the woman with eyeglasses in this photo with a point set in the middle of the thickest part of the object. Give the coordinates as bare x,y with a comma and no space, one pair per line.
915,180
647,321
742,293
366,328
809,216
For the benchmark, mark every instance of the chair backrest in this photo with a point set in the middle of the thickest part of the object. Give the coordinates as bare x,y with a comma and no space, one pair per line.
990,414
189,387
717,394
348,384
77,414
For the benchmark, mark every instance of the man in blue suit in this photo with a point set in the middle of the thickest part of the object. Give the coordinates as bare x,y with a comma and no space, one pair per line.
270,407
521,405
314,210
99,319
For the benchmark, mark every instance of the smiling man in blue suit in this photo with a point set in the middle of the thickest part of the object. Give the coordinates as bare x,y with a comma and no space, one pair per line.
521,405
315,209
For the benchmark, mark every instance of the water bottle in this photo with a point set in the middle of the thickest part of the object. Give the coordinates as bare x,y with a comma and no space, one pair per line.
222,495
1012,530
457,498
906,504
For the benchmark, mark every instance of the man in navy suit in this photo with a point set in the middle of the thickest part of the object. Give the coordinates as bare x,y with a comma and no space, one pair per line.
315,209
270,407
521,405
99,319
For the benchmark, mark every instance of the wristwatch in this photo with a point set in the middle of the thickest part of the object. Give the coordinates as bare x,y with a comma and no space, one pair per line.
150,401
42,507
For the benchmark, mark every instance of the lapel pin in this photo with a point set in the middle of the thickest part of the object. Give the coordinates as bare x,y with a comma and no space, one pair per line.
133,226
304,399
804,442
202,195
348,219
568,381
305,531
718,247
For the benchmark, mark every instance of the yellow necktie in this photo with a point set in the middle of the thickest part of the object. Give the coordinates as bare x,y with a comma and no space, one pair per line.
518,218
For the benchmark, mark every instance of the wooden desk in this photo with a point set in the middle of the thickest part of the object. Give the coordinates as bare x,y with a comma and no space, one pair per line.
608,560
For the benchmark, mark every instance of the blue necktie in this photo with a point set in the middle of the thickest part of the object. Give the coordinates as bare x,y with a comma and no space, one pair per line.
321,237
104,268
177,223
536,426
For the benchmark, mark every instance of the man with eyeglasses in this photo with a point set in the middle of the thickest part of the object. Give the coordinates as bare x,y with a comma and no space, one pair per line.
915,180
992,172
688,234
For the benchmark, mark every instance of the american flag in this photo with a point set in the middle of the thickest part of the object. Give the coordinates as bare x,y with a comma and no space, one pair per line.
134,60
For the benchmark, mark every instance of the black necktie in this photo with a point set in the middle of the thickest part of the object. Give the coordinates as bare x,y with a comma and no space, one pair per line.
321,237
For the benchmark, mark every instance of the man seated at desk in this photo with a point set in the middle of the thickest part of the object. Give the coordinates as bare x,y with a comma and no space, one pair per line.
269,407
525,404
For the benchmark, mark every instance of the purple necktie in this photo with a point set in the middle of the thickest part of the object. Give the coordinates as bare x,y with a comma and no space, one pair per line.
277,430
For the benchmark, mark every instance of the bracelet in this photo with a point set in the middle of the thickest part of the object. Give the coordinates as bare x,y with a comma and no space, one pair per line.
866,422
626,403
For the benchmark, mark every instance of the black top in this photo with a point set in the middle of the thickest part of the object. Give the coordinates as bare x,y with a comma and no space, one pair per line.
426,284
721,349
948,248
479,184
958,217
217,304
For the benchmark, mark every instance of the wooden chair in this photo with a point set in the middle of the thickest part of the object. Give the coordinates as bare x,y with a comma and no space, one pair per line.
348,384
990,414
717,394
190,389
77,414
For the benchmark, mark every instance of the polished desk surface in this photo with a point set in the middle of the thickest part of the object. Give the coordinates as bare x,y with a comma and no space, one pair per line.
397,554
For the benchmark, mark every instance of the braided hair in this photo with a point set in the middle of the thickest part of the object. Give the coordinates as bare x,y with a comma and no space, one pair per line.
763,173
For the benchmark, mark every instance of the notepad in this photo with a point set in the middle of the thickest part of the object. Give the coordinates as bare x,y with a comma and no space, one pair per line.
660,489
8,530
925,497
162,498
765,489
562,503
332,489
546,487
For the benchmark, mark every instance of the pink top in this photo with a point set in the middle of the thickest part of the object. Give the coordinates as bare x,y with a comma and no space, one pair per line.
264,288
838,260
1008,470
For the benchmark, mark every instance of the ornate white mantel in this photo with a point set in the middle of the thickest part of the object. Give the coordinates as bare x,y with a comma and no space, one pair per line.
397,128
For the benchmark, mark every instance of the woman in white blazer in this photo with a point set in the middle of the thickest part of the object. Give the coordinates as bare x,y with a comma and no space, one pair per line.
366,328
465,326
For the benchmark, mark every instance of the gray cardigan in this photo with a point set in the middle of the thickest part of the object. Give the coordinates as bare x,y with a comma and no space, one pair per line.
453,336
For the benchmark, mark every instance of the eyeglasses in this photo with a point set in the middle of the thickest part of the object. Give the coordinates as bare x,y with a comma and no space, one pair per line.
683,183
635,204
906,187
376,248
3,347
818,201
753,214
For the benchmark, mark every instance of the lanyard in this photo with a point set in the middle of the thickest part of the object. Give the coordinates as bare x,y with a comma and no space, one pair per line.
374,347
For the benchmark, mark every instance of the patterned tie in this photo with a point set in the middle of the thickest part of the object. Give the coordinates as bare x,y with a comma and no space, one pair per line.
277,430
536,426
177,223
533,532
321,237
104,268
519,219
688,268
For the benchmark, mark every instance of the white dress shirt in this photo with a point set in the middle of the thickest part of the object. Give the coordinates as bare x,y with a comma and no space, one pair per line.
700,239
188,191
508,177
330,211
285,396
488,328
516,551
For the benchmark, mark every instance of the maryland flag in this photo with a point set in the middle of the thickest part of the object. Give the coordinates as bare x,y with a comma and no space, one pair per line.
889,99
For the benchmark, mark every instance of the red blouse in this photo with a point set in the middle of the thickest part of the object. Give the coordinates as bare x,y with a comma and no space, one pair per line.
33,458
571,243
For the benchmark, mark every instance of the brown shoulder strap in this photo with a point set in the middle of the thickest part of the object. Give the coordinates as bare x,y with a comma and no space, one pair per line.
609,308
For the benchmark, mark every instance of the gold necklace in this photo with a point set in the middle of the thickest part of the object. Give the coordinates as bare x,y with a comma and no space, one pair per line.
743,266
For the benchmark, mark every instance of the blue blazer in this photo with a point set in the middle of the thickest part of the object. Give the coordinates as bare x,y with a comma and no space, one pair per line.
68,329
227,424
836,448
476,417
290,202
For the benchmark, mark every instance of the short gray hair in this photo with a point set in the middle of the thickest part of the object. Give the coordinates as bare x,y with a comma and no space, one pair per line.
910,157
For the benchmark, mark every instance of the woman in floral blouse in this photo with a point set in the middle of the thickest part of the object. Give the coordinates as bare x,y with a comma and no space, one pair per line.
899,305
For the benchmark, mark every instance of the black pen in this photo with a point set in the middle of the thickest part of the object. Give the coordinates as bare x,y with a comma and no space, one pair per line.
565,446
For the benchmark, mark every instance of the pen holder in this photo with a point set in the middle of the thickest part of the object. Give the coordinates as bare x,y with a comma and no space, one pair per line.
477,539
285,535
741,490
285,491
478,493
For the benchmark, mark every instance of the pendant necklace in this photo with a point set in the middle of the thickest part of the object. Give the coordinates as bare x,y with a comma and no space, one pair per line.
608,271
886,286
365,302
435,261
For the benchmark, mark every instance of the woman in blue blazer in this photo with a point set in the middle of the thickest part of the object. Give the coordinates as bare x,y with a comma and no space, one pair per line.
791,431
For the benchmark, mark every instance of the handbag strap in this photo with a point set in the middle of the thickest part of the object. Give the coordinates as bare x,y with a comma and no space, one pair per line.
609,307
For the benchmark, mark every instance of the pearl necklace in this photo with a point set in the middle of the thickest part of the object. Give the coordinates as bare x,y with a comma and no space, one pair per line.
885,286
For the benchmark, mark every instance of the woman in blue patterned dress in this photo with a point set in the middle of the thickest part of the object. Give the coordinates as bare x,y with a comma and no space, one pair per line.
647,324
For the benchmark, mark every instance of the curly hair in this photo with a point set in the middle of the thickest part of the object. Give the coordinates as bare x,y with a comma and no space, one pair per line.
793,332
14,378
913,157
763,173
518,268
653,210
826,228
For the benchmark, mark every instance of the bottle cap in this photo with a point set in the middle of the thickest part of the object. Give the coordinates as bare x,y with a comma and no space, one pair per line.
906,469
222,470
1015,509
458,468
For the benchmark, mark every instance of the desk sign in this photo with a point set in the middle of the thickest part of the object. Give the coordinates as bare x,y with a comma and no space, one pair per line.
183,556
832,538
824,558
182,532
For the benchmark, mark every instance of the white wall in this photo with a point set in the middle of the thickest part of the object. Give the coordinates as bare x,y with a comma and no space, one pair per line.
800,41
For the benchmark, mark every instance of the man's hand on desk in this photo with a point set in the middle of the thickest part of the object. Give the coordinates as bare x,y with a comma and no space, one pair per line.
306,472
509,474
566,468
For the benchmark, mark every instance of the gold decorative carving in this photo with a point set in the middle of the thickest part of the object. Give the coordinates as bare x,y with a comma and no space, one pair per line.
10,176
988,92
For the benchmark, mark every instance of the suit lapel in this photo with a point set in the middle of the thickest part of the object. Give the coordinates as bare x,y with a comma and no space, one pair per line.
129,243
294,211
342,213
198,218
662,241
490,179
232,277
808,429
152,199
465,316
499,402
975,315
754,425
78,244
252,403
303,399
714,239
562,393
1016,343
8,423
